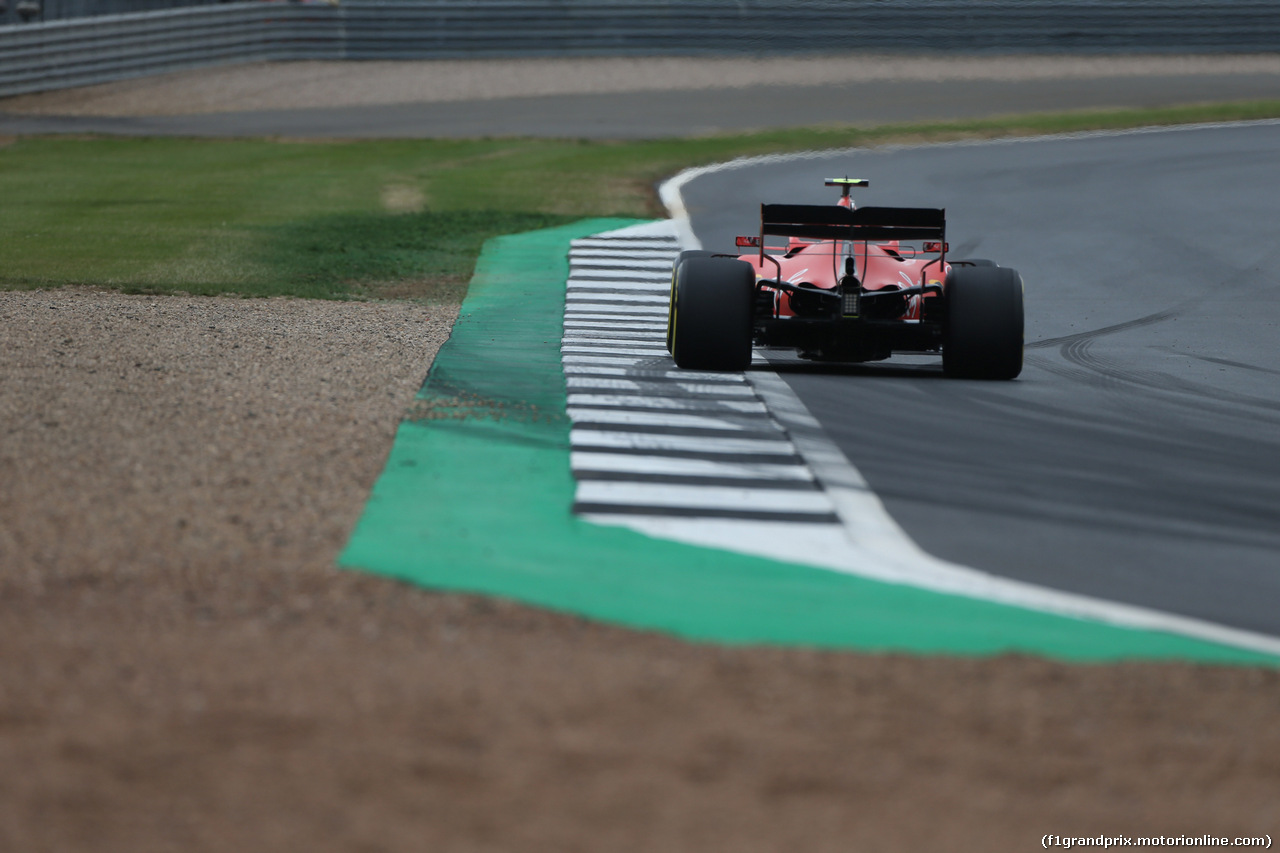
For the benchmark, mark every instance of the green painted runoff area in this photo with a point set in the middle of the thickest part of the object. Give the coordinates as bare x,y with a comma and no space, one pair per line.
477,492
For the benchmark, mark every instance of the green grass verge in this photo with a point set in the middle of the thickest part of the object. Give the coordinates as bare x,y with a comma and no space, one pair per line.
380,218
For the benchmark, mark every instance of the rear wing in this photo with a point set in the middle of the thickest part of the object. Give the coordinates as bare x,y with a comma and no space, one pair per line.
836,222
833,222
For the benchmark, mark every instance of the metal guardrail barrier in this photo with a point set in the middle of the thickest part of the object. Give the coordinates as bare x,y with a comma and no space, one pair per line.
85,51
28,11
80,51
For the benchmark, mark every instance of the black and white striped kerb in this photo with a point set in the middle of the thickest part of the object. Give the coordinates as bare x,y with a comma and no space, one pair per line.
650,440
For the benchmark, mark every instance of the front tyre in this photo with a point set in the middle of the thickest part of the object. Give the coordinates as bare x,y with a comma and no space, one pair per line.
984,332
710,326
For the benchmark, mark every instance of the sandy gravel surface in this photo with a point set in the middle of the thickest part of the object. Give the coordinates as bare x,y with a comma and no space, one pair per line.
297,85
143,432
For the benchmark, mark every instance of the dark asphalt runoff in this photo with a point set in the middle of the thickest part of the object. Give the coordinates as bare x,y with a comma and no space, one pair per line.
1137,459
652,115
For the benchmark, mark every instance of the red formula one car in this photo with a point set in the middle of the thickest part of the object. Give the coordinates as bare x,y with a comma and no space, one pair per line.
847,287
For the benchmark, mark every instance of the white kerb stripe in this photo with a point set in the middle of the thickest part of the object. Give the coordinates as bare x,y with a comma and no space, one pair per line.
668,419
659,442
619,360
636,385
635,348
629,263
647,401
595,284
662,299
611,337
612,274
702,497
644,245
614,311
658,371
605,302
631,327
626,463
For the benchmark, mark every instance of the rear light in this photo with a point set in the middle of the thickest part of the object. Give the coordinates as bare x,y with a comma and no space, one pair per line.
937,247
748,242
849,299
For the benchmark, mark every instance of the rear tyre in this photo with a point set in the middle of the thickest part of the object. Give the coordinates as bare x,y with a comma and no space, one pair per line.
974,262
983,336
710,327
671,301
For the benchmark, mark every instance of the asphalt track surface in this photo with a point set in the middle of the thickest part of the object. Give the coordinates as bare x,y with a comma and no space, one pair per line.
649,115
1137,458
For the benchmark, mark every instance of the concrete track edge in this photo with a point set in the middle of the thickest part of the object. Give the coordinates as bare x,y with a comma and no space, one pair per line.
476,497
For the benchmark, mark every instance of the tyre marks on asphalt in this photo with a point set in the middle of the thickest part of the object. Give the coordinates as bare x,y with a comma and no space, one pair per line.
650,441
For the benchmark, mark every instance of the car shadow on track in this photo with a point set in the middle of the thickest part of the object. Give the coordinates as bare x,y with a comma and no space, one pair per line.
898,369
